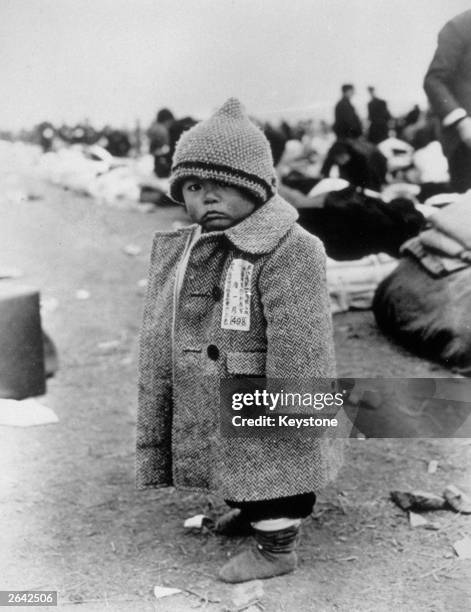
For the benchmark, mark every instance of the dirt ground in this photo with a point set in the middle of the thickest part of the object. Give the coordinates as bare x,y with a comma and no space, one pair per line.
71,519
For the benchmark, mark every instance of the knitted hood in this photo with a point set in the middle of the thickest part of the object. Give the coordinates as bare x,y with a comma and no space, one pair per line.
229,148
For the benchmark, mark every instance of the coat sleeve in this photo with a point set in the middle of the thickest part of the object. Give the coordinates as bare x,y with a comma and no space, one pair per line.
438,82
297,309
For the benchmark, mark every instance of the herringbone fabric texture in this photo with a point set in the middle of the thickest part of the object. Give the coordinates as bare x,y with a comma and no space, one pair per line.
178,438
227,147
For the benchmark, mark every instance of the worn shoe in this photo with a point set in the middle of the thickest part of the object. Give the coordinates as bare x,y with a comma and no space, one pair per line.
233,523
273,554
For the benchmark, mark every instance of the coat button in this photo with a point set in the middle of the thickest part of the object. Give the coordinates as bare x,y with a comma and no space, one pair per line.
217,293
213,352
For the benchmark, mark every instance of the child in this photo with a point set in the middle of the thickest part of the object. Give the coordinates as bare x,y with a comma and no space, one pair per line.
223,173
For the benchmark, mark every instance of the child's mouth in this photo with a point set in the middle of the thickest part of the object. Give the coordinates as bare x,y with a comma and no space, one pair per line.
209,216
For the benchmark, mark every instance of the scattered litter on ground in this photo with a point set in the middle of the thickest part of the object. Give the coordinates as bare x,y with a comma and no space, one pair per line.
108,346
82,294
25,413
132,250
457,499
246,594
463,548
160,592
418,500
416,520
197,522
432,466
142,286
453,498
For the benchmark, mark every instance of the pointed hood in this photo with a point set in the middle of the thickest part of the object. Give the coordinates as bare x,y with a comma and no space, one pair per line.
227,147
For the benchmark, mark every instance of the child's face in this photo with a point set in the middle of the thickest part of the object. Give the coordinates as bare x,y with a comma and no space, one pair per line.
214,205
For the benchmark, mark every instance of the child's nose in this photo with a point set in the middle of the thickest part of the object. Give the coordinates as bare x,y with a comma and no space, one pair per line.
211,194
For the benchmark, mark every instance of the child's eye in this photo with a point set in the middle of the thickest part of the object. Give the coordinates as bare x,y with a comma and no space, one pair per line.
192,186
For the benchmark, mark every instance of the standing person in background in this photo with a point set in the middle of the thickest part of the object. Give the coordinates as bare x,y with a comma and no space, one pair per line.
159,142
448,87
347,123
379,118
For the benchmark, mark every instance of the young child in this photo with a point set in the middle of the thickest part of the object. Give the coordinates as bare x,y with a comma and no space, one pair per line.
245,239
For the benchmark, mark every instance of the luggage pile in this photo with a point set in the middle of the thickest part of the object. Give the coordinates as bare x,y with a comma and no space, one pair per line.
425,302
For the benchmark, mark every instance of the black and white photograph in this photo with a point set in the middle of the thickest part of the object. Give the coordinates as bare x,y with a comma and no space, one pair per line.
235,305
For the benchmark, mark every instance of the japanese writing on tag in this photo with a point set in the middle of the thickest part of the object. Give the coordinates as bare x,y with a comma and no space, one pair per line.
236,305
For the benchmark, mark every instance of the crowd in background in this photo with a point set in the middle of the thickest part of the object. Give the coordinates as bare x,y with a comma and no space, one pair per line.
304,151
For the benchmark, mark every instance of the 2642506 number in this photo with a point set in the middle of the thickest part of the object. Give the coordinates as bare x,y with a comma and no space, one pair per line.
28,598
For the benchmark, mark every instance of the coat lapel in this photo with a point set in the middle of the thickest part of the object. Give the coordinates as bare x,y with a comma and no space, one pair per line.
262,230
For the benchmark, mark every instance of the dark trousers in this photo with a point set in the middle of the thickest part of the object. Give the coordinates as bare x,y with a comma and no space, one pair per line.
459,162
296,506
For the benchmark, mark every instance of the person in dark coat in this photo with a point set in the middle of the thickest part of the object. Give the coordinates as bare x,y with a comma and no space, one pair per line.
359,162
159,142
379,118
347,123
45,132
241,292
448,87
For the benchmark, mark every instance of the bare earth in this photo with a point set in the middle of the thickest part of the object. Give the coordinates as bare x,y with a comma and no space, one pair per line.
71,519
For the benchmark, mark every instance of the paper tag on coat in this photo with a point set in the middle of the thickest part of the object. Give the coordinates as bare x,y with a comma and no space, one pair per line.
237,294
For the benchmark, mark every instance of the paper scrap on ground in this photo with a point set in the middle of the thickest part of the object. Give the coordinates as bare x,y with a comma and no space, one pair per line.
160,591
195,522
108,345
82,294
25,413
416,520
142,286
246,594
463,548
132,249
418,500
432,466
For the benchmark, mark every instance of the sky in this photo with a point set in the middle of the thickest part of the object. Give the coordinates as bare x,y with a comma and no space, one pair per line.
116,61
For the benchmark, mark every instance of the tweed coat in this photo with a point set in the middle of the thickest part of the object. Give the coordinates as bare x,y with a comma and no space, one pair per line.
184,351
